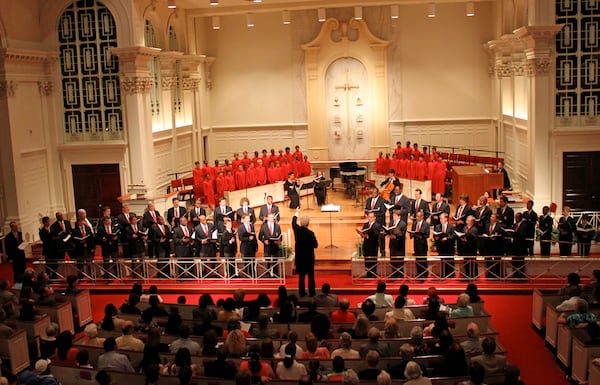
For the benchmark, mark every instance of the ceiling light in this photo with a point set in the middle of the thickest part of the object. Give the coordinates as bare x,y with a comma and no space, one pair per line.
322,15
257,1
214,2
431,10
285,16
171,4
394,11
358,13
249,20
216,22
470,9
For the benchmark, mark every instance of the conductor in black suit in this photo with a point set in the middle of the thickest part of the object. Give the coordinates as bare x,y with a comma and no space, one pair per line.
13,253
420,233
306,243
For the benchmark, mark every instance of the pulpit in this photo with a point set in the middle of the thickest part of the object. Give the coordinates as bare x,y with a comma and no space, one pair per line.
474,181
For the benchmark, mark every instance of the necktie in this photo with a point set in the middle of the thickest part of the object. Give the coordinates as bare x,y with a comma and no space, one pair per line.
247,228
153,215
373,203
162,229
245,210
62,226
185,231
481,211
269,209
492,228
460,210
418,227
271,228
197,211
108,230
205,229
135,229
397,199
176,209
83,231
444,227
417,205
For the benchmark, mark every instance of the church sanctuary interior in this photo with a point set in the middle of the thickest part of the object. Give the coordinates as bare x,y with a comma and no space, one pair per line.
164,160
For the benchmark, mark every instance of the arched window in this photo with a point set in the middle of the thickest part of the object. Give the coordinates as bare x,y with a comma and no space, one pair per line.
150,40
90,81
173,43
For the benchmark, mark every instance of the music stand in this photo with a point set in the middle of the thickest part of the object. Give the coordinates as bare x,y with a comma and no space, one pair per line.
307,186
330,208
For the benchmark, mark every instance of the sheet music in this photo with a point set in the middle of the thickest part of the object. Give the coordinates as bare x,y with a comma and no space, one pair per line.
331,208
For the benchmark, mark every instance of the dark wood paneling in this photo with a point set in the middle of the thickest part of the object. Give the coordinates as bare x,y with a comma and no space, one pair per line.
581,183
97,185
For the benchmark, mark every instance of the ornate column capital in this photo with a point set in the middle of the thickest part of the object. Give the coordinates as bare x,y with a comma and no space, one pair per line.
27,62
45,87
506,56
136,85
7,88
191,84
539,47
133,61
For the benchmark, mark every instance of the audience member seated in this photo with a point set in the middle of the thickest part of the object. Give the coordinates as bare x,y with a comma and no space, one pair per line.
236,343
416,341
350,378
443,343
103,378
338,366
384,378
130,307
174,321
454,362
145,323
292,339
307,316
91,336
152,290
113,360
580,318
404,293
153,339
267,348
47,343
476,374
128,341
380,298
184,341
286,313
407,354
342,315
44,375
209,344
432,311
262,329
313,351
155,309
414,375
253,309
228,310
5,330
345,350
221,367
435,329
204,302
111,322
261,371
360,329
400,313
512,375
492,362
473,293
380,347
432,295
391,329
65,352
234,323
205,324
181,300
472,345
83,359
573,281
183,359
593,290
72,288
8,300
314,372
184,374
368,308
289,368
44,291
570,303
371,372
320,326
29,311
325,298
462,309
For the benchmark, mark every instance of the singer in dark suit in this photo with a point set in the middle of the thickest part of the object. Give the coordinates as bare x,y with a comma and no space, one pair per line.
566,228
222,211
400,202
48,246
107,236
463,211
306,243
270,236
13,254
245,209
397,235
532,218
84,246
438,207
248,245
182,239
376,205
269,208
196,212
520,245
370,233
149,221
493,238
228,246
206,247
419,205
60,230
467,247
161,240
445,238
136,236
175,213
546,224
419,233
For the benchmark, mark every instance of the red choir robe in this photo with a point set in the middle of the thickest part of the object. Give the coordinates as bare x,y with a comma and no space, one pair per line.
273,174
306,169
198,176
420,168
431,168
234,165
229,182
387,164
245,162
251,177
398,151
209,192
286,168
395,165
426,157
412,169
220,185
266,161
298,155
255,160
379,165
261,175
439,176
240,180
296,168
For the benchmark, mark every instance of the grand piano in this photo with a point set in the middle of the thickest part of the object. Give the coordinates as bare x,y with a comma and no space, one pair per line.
350,173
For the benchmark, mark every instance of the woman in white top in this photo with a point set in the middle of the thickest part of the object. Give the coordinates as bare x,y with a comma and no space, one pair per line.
289,368
345,350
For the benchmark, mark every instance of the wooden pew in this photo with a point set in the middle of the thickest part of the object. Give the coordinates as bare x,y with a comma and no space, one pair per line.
16,349
35,328
552,316
594,377
82,306
62,314
583,349
563,345
541,298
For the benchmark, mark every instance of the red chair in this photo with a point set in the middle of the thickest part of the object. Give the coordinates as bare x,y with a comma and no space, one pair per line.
176,185
187,192
462,158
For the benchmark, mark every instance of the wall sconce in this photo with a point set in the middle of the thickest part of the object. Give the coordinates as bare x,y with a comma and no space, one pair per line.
171,4
321,13
213,2
249,20
471,9
358,13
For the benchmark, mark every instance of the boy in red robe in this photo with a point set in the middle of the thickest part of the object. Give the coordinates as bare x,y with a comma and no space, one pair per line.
229,181
251,175
220,184
379,164
306,168
240,178
209,191
421,168
261,173
272,173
